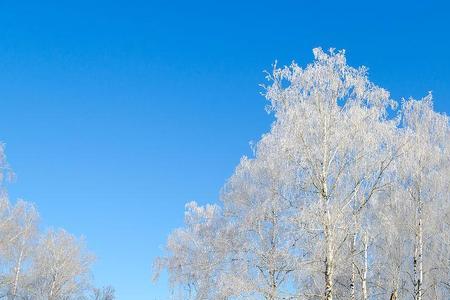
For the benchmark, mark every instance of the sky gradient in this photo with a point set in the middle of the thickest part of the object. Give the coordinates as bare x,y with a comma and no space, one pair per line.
116,113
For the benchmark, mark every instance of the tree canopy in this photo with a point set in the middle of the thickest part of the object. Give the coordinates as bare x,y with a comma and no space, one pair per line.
346,197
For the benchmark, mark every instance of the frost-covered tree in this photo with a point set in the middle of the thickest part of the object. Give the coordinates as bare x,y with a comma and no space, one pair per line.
256,200
61,267
344,198
423,174
105,293
33,265
331,123
199,253
18,232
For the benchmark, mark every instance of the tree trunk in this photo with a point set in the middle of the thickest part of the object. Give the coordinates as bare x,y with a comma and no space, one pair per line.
326,219
272,266
17,274
52,289
418,255
329,278
329,258
393,295
366,268
353,262
273,286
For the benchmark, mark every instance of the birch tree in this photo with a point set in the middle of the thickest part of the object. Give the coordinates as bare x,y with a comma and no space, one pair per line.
198,259
105,293
61,267
18,237
331,120
424,167
257,200
33,265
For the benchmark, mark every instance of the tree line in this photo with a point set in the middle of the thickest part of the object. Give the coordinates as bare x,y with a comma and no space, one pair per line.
346,197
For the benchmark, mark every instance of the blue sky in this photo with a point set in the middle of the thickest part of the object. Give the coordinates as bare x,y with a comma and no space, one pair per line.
116,113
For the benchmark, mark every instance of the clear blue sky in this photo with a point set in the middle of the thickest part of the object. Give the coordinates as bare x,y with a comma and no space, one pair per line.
116,113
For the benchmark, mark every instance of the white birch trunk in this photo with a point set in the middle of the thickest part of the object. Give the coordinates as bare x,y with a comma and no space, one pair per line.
17,270
329,257
418,255
364,295
353,262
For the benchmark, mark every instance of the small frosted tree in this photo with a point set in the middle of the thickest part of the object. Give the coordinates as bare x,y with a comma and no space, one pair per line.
61,267
18,233
105,293
256,200
198,255
33,265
